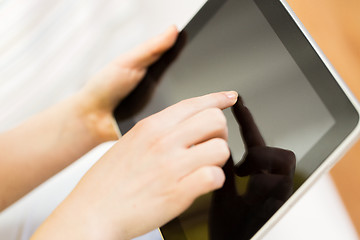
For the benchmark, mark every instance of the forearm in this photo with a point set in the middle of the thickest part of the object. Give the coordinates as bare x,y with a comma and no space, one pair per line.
77,218
47,143
148,175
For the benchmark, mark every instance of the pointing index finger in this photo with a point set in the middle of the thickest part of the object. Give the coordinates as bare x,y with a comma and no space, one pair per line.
189,107
150,51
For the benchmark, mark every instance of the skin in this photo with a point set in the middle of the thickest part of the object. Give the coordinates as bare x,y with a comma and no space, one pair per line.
152,173
50,141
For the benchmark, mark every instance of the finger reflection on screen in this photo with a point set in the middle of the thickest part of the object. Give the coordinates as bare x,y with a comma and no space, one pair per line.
267,174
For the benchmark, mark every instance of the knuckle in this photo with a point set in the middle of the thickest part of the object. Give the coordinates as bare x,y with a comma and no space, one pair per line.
217,117
151,124
222,149
216,122
160,144
146,123
220,118
209,178
219,122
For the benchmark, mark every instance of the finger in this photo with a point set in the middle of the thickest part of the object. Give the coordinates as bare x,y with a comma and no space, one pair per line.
200,182
121,76
205,125
143,92
249,130
214,152
177,113
267,159
156,70
150,51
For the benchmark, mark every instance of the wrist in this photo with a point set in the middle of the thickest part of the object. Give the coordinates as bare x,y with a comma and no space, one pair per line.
83,216
97,121
70,221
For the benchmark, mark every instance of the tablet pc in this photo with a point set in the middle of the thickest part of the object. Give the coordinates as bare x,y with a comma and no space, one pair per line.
292,100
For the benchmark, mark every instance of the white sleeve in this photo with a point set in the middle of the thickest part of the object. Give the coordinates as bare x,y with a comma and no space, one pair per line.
48,50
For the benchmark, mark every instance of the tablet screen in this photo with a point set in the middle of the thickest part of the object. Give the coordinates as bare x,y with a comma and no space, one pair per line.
254,48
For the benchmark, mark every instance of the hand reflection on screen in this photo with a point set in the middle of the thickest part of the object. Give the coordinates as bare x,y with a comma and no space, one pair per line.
270,174
141,95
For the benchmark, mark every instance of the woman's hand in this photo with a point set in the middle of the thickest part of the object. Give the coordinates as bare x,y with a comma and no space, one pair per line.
103,92
151,175
66,131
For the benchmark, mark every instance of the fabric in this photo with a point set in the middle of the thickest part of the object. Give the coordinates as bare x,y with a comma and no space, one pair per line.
48,50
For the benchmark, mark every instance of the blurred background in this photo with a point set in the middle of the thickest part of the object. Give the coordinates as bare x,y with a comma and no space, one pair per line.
49,48
335,26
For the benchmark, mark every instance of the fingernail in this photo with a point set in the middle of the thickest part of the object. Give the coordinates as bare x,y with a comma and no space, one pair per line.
232,95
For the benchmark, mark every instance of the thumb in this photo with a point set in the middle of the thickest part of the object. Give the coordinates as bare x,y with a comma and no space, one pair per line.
148,52
121,76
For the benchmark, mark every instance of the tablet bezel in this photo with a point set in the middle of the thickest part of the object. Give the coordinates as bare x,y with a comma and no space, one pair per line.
287,32
293,29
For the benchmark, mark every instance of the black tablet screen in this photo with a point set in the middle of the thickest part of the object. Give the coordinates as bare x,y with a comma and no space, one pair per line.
254,48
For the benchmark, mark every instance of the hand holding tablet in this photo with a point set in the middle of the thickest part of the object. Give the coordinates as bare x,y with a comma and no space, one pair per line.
259,49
